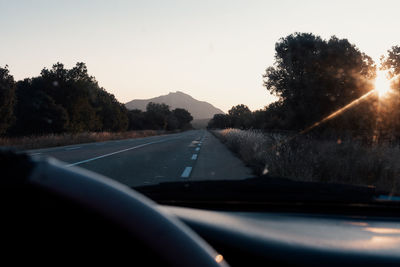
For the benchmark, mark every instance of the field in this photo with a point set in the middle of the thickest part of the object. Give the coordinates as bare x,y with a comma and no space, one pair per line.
309,159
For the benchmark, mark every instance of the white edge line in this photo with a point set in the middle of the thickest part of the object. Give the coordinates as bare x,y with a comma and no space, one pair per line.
186,172
113,153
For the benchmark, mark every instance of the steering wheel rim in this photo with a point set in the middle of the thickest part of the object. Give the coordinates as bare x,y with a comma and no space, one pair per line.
162,232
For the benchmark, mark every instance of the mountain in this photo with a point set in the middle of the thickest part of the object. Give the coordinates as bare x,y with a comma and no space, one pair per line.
198,109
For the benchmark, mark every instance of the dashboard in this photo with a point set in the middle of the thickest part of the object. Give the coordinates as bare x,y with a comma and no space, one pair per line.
261,238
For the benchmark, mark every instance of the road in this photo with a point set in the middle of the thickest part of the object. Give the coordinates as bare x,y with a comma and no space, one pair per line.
191,155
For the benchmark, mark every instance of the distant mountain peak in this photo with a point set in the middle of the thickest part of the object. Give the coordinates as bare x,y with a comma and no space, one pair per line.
179,93
179,99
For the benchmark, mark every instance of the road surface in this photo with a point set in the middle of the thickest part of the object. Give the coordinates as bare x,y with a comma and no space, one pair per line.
191,155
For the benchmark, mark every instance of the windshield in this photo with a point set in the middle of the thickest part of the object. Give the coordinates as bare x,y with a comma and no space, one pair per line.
155,92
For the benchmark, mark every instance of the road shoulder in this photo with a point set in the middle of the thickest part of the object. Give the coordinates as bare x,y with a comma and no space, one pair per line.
216,162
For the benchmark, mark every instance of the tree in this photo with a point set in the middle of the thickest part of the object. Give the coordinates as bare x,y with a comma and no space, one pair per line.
36,112
259,119
75,91
113,115
136,119
71,100
240,116
89,107
7,99
313,78
220,121
183,117
389,108
391,62
157,116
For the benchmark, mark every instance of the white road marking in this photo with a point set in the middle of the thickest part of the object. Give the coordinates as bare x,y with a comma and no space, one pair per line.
186,172
113,153
36,154
193,143
72,148
197,148
194,156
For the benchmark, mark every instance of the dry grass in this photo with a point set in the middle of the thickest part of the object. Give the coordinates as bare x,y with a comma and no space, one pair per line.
308,159
52,140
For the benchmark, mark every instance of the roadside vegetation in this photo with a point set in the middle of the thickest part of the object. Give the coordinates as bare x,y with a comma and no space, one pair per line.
52,140
310,159
332,122
65,106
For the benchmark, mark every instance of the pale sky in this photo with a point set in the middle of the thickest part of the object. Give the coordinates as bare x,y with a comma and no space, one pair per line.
215,51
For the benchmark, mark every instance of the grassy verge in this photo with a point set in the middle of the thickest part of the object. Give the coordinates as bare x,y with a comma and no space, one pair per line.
305,159
52,140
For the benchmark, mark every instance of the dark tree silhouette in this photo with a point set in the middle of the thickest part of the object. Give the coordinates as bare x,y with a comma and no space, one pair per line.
220,121
240,117
391,62
75,90
36,112
313,78
136,119
114,115
157,116
183,118
7,99
89,107
70,100
390,109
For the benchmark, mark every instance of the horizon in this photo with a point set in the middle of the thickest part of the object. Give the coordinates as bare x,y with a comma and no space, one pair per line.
215,51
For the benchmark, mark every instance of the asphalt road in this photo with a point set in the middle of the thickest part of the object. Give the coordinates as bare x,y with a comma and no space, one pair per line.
194,155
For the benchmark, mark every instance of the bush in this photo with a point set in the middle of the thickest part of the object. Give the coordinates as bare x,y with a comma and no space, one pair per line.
308,159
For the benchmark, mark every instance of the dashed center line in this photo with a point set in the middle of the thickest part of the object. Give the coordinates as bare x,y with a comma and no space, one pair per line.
194,156
186,172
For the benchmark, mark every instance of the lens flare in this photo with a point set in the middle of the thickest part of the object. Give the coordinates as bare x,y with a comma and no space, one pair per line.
382,84
327,118
219,258
382,88
338,112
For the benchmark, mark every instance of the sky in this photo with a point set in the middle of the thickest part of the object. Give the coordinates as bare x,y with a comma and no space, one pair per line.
216,51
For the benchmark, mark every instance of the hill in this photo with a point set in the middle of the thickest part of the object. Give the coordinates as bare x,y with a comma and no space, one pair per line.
198,109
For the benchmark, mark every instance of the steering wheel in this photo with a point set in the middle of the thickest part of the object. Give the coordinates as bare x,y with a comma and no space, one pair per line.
132,214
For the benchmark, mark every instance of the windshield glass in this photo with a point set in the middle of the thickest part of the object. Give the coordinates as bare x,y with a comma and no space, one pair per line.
153,92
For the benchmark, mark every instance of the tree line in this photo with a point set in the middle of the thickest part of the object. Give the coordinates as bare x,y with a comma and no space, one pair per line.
70,100
314,78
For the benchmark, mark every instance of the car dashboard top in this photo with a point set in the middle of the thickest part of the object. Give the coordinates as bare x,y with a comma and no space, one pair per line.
259,238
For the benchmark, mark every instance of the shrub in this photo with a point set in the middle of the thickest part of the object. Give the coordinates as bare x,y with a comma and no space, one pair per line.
309,159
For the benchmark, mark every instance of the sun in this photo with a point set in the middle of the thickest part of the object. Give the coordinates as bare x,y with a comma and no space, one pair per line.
382,84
